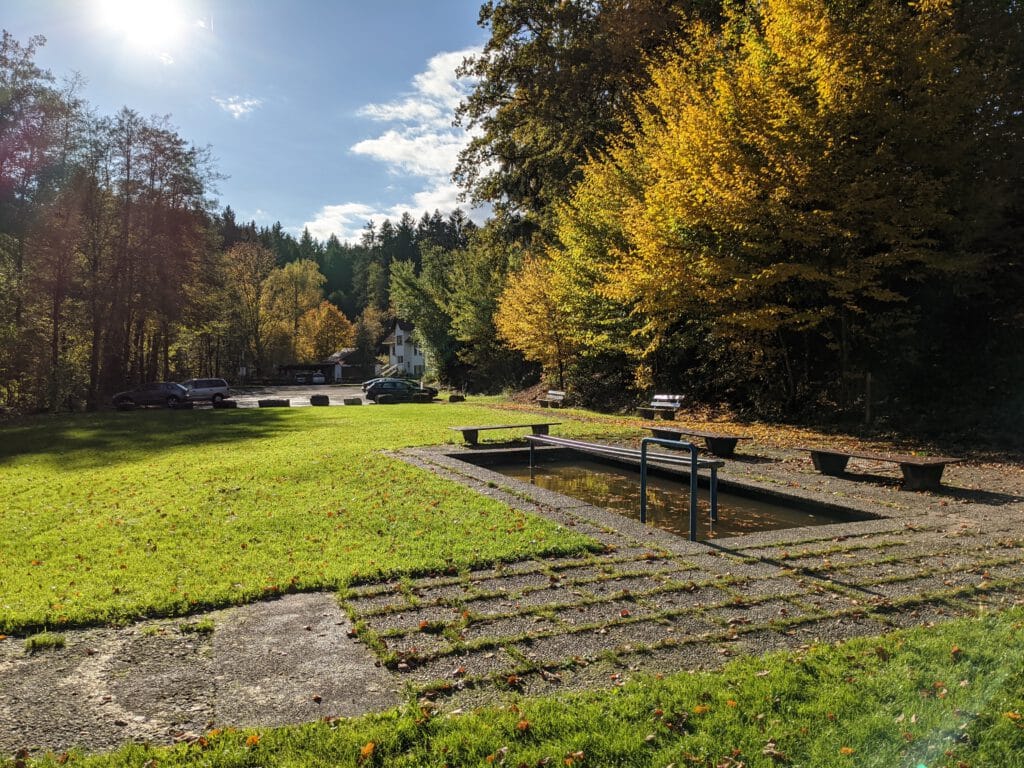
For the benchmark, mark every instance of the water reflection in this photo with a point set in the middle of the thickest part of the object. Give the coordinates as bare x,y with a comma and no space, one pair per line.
616,488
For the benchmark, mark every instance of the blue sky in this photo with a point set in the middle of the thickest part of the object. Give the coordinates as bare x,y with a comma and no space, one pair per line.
322,114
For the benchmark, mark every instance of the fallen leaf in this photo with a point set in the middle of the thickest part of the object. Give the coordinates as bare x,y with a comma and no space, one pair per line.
253,741
846,751
366,752
523,725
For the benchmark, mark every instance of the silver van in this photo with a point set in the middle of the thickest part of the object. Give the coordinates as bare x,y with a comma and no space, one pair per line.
206,389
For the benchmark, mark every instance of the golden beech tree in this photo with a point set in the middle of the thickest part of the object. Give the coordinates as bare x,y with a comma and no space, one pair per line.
291,291
530,318
794,174
323,331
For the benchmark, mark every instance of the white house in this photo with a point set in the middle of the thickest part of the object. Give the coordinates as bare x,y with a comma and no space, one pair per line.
404,354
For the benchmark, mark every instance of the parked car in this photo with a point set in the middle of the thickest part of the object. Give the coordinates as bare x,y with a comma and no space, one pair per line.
166,393
318,378
397,390
207,389
367,384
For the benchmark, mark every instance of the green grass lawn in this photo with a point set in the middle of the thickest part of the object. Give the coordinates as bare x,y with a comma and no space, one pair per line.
115,516
947,697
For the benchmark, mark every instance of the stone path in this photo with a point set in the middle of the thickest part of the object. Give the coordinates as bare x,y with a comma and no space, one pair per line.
647,601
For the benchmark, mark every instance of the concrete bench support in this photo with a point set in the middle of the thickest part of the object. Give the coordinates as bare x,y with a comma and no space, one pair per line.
718,444
920,473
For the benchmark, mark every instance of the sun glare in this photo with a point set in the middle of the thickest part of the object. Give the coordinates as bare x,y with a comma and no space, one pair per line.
153,26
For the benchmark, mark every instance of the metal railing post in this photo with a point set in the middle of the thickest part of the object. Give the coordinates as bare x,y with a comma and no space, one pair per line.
714,494
644,442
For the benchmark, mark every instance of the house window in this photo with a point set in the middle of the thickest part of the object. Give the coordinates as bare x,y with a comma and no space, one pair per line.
398,340
400,360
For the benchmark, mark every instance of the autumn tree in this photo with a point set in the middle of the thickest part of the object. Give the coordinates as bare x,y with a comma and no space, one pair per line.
791,184
554,82
323,331
247,267
529,318
291,291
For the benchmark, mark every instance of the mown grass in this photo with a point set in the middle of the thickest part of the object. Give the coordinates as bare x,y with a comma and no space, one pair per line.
111,517
949,697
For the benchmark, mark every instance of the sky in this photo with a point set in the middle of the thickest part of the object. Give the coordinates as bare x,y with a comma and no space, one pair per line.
323,114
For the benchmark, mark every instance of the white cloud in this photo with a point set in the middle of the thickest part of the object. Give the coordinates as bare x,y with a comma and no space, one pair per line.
346,221
419,142
440,83
238,106
407,110
413,153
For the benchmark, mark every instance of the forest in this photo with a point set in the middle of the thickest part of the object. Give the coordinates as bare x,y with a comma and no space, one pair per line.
795,208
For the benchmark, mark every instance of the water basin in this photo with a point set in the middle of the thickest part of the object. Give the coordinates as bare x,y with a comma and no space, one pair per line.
616,485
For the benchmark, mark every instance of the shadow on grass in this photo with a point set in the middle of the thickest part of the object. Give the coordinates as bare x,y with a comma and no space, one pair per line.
102,439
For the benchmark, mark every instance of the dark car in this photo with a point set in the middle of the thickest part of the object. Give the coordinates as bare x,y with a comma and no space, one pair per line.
155,393
396,390
369,383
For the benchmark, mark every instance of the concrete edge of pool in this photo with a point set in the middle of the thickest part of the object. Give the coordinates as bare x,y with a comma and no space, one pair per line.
468,467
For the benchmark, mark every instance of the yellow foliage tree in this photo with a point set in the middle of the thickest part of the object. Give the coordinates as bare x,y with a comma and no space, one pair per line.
789,174
291,291
530,318
323,331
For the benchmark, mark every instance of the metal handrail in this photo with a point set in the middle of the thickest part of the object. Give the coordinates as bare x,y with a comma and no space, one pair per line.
692,460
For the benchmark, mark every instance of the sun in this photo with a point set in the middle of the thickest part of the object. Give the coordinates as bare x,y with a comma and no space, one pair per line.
153,26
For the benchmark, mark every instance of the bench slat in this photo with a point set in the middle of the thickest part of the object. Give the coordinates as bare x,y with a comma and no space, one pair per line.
471,434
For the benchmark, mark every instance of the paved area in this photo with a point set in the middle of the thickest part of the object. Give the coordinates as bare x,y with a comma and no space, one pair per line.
297,394
641,601
283,661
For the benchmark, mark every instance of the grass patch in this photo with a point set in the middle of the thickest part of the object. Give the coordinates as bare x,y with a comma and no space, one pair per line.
112,517
201,627
44,641
945,697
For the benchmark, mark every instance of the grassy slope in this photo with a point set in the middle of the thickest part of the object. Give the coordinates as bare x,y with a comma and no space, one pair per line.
112,516
951,696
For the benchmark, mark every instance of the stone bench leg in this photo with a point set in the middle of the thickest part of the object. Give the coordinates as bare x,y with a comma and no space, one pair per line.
471,436
667,414
645,413
829,463
722,446
543,403
922,478
540,429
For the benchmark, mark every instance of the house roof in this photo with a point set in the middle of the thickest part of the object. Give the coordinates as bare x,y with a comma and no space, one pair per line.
400,325
340,355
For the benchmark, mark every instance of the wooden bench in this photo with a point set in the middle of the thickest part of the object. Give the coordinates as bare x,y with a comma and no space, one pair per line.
555,398
472,434
920,473
717,443
664,406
